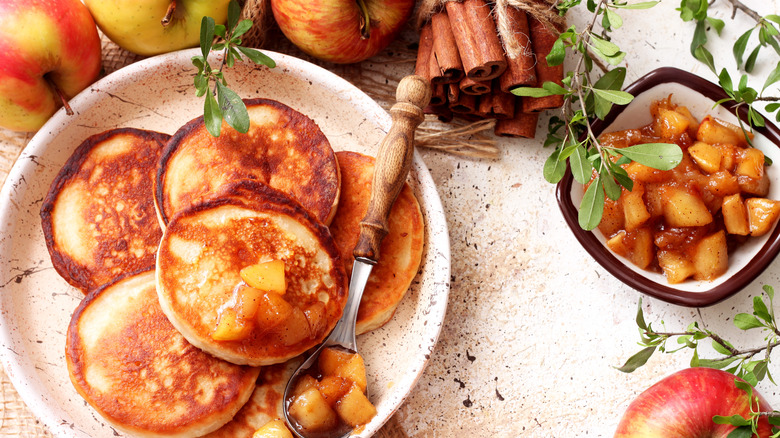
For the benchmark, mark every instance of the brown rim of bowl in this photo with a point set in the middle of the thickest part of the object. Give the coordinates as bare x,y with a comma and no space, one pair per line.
757,264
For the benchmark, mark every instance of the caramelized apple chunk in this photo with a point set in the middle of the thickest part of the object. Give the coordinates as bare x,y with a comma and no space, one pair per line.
266,276
273,429
341,386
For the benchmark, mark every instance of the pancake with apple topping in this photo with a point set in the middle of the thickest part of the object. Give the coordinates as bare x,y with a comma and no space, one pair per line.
401,250
98,218
250,276
283,148
127,361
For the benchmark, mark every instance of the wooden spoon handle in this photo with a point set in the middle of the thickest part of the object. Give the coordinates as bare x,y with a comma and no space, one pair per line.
393,163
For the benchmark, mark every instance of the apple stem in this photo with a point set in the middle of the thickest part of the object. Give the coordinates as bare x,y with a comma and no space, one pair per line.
365,20
166,20
60,94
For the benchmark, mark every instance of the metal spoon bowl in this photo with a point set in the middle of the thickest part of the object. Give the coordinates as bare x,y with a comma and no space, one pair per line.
393,163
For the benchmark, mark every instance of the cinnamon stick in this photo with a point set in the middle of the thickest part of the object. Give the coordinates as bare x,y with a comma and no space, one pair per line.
445,49
477,39
476,88
542,39
438,95
465,104
442,112
453,92
497,104
424,51
521,125
521,62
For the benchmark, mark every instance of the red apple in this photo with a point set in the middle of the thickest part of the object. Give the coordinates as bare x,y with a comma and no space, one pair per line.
341,31
682,405
46,48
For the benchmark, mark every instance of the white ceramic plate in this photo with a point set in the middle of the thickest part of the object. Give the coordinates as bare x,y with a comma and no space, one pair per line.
158,94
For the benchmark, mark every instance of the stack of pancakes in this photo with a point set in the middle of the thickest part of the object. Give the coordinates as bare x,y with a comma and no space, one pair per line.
154,230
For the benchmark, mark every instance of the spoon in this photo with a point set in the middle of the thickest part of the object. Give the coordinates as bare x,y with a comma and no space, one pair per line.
392,166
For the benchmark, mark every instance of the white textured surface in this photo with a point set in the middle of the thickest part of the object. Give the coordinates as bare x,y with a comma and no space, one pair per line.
534,325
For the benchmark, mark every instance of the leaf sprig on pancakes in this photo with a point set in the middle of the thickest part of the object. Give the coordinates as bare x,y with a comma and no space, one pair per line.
222,102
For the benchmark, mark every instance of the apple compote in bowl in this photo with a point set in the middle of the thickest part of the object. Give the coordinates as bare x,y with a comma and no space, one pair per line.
699,233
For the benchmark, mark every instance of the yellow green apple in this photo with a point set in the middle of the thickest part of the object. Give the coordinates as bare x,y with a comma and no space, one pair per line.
151,27
49,52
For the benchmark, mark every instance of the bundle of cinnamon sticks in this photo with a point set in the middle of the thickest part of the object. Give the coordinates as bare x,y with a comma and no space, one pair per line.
473,73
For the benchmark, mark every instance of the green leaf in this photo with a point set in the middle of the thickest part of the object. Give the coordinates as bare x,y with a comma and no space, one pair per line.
557,53
637,360
769,291
744,321
661,156
604,47
773,17
724,79
233,108
234,12
592,205
622,178
614,96
201,85
212,116
241,29
219,30
716,23
751,61
639,5
615,21
717,364
601,106
611,188
612,80
554,168
773,77
740,46
717,346
760,309
699,38
704,55
206,35
640,316
257,56
531,92
580,167
735,420
554,88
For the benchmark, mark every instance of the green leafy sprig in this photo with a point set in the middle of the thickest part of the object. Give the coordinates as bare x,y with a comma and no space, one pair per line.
768,36
221,102
585,100
750,364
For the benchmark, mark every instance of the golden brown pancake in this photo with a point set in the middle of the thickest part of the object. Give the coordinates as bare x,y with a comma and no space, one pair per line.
283,148
138,372
264,405
204,248
400,252
98,217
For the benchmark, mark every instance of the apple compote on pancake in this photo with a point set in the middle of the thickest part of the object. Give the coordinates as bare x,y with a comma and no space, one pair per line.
283,148
98,218
127,361
203,251
401,250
